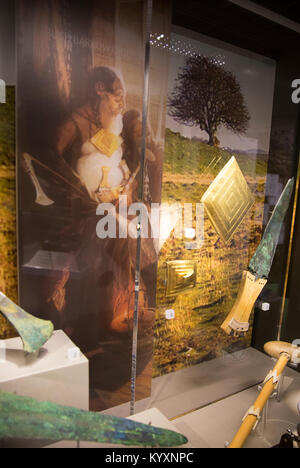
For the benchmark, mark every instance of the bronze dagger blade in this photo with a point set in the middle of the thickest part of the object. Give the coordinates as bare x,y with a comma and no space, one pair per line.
255,279
262,260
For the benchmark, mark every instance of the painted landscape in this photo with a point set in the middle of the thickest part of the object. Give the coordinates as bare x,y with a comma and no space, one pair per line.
195,335
220,104
8,245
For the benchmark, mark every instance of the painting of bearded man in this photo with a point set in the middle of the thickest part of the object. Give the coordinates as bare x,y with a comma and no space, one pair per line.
94,142
80,150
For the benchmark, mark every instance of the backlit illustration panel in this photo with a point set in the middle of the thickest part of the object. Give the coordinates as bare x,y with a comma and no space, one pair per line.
220,102
80,95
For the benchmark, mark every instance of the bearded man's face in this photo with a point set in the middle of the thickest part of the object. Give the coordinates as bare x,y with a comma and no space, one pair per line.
115,101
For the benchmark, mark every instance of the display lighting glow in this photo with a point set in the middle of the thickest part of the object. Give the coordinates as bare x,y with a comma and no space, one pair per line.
182,48
190,233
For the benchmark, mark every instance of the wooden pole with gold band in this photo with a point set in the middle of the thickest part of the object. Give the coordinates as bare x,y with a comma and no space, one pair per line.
284,352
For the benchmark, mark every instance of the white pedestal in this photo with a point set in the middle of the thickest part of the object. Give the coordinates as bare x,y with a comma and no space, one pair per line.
48,375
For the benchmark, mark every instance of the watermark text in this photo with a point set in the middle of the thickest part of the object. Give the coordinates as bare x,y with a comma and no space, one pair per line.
185,221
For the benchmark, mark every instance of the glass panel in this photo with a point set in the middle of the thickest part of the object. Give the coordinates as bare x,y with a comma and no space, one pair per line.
214,157
155,91
8,238
80,78
217,143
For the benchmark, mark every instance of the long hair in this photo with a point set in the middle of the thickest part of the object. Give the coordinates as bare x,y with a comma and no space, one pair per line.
106,76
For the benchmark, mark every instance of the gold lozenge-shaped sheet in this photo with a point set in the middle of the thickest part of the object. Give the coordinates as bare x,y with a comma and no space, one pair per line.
228,200
181,276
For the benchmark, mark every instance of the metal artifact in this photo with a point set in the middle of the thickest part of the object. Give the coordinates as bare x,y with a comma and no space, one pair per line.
181,276
27,418
34,332
255,279
228,200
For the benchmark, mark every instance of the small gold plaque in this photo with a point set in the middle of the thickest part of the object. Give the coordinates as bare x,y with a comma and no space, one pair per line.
181,276
106,142
228,200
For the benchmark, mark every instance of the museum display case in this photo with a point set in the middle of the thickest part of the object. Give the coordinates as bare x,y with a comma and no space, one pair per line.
149,184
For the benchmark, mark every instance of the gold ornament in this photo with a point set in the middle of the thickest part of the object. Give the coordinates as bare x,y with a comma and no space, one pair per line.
106,142
228,200
181,276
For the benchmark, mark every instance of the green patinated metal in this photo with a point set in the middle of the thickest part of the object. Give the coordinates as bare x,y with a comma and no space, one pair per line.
34,332
26,418
262,260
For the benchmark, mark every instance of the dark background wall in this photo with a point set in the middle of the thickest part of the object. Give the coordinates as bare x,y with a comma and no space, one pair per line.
7,42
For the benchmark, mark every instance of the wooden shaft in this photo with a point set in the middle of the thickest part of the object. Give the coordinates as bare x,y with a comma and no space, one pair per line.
250,421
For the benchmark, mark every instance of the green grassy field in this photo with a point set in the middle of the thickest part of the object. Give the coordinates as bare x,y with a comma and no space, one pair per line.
195,335
8,248
185,156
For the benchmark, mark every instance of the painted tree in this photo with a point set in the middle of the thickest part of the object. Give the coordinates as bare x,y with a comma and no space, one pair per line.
208,96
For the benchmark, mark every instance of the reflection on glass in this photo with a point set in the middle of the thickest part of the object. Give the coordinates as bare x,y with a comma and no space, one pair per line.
219,111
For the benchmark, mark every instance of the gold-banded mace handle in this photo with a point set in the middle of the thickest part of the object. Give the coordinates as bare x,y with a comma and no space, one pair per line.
285,353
